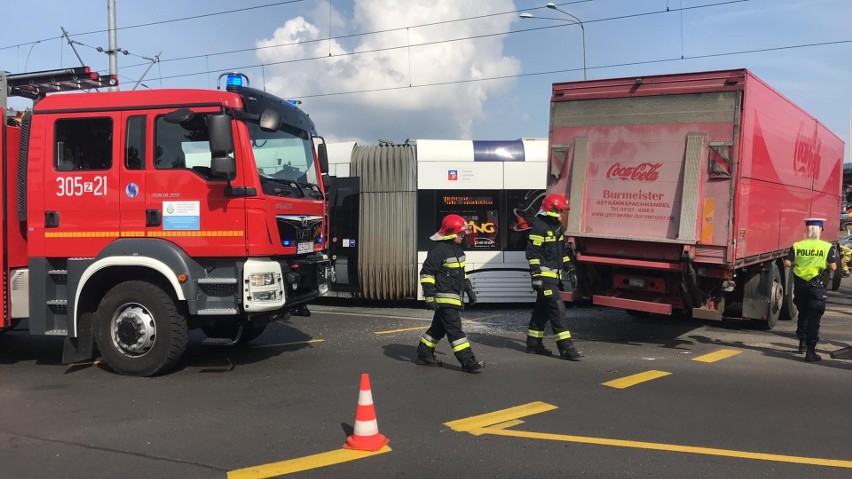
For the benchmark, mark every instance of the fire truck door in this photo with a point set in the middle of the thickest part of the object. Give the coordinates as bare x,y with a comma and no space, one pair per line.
134,152
185,203
81,187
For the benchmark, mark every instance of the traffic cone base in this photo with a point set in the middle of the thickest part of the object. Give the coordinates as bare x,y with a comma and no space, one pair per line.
366,435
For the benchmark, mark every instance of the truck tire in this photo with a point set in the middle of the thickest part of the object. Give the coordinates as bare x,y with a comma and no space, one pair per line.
789,311
140,329
776,299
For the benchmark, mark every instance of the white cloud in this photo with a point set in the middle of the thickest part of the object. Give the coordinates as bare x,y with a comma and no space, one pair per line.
396,111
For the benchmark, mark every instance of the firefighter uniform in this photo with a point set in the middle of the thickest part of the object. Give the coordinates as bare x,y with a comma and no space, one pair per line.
444,283
810,258
548,261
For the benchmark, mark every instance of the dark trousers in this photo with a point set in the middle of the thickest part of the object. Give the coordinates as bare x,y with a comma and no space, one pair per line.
809,299
447,322
550,308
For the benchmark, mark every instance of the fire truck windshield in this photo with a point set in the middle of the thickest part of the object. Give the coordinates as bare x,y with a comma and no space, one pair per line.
285,155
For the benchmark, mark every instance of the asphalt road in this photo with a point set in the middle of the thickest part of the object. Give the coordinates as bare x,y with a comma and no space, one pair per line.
288,401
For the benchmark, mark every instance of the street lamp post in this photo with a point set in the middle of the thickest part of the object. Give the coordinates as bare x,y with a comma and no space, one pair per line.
577,21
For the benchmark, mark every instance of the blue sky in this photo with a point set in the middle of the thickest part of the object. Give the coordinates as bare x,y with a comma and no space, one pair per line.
446,69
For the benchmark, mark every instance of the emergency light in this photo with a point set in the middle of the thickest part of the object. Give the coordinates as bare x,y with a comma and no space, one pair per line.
295,103
233,80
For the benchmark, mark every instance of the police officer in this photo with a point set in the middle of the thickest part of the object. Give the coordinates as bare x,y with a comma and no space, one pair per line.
811,258
444,283
549,262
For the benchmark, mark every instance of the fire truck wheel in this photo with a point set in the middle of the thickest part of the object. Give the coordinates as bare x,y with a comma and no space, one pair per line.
140,329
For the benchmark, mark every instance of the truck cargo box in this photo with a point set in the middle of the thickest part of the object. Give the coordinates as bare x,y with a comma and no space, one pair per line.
704,175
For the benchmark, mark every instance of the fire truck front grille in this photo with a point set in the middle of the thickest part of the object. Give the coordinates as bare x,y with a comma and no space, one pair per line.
295,229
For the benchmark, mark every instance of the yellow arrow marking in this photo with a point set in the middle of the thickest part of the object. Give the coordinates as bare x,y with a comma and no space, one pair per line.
717,356
635,379
303,463
496,424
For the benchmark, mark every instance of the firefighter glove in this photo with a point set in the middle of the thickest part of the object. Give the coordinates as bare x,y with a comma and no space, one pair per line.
471,294
430,303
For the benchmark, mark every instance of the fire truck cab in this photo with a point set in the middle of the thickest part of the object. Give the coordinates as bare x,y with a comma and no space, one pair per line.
133,217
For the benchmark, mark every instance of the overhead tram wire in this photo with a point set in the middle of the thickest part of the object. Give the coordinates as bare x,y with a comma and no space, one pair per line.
160,22
514,12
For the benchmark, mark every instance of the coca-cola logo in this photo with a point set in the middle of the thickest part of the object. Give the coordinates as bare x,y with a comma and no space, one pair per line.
641,172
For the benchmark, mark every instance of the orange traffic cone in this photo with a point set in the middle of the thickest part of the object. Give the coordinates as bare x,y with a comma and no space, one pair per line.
366,436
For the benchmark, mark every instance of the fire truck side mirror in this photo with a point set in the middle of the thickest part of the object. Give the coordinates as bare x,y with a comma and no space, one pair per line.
222,165
322,154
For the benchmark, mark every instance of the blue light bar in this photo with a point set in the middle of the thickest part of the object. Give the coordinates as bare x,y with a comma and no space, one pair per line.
286,242
319,240
294,102
234,79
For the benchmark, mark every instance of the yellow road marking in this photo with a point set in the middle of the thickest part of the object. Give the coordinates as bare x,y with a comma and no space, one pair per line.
496,424
311,341
707,451
635,379
507,424
717,356
484,420
391,331
303,463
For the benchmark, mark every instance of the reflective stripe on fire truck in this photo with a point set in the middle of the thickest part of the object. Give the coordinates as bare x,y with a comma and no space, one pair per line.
137,234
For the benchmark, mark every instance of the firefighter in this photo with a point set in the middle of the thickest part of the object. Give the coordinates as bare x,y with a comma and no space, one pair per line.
444,283
549,264
811,259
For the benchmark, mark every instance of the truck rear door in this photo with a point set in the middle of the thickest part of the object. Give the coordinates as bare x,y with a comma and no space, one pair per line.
648,168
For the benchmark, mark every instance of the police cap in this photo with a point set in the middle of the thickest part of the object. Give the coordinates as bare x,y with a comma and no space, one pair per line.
815,222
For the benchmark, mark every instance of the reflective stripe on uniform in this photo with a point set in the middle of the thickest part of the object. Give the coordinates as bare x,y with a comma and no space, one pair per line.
566,259
535,334
550,213
459,344
452,301
562,335
547,292
535,261
427,278
428,341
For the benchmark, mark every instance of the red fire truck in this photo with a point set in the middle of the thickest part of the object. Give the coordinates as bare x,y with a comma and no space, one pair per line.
130,218
687,190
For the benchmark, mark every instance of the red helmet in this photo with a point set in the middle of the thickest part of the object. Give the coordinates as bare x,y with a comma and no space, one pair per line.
554,203
450,227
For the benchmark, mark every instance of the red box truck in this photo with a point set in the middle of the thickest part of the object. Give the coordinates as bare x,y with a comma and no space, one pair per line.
687,190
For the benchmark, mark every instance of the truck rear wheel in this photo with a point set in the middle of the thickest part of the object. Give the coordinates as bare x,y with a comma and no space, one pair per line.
789,311
776,299
140,329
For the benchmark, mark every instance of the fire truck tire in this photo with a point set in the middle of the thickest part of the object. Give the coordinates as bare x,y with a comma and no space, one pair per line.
140,329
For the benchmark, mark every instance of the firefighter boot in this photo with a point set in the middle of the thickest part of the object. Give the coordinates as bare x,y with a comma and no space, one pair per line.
534,346
426,357
811,356
568,351
801,346
472,365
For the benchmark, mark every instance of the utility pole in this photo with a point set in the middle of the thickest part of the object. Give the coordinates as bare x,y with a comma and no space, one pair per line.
113,48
